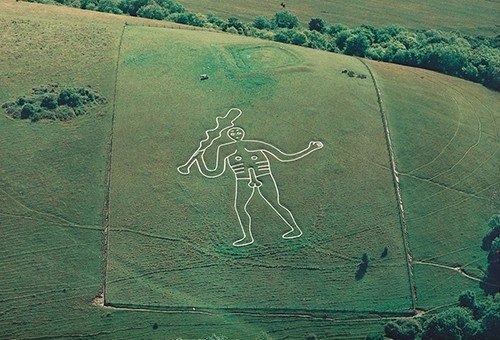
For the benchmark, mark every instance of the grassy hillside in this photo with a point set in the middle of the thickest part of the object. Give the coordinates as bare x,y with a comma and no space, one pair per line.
164,259
338,195
478,17
449,176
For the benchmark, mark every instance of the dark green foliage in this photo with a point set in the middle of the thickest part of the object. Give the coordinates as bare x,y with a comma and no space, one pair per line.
152,11
54,102
236,23
494,232
28,111
491,243
216,21
374,336
356,45
311,337
403,329
108,6
454,323
261,23
335,29
286,19
317,24
187,18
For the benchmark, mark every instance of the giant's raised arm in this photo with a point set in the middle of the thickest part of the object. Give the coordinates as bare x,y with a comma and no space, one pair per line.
223,152
280,155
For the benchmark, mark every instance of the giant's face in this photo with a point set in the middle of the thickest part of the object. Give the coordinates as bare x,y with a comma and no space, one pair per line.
236,133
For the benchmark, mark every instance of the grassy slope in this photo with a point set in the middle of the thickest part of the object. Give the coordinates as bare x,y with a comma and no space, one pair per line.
52,180
46,292
341,197
449,176
478,17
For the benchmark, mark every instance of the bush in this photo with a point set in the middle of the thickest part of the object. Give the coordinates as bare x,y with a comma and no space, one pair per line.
28,111
236,23
317,24
286,19
356,45
454,323
192,19
261,23
403,329
152,11
108,6
298,38
53,102
49,101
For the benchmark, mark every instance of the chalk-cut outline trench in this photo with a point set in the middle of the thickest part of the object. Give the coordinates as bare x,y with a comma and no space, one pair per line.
281,312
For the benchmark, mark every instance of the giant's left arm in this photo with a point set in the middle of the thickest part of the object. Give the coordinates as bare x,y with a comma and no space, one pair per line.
280,155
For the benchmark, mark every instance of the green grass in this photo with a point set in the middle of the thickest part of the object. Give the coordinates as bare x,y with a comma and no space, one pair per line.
478,17
446,138
342,199
52,184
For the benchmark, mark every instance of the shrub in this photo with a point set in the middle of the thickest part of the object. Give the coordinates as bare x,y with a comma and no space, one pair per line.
192,19
298,38
286,19
152,11
108,6
454,323
261,23
236,23
28,111
403,329
53,102
317,24
49,101
356,45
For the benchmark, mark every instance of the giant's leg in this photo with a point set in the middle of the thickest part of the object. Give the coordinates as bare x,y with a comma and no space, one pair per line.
270,193
242,197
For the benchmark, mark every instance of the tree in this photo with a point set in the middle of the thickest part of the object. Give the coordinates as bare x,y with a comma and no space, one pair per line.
28,111
299,38
335,29
152,11
108,6
131,6
403,329
454,323
261,23
357,45
286,19
317,24
236,23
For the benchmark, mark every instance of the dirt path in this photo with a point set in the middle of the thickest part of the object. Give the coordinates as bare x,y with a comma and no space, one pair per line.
395,175
107,180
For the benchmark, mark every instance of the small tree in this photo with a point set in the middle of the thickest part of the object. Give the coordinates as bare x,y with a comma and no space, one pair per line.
108,6
403,329
152,11
286,19
299,38
454,323
261,23
317,24
357,45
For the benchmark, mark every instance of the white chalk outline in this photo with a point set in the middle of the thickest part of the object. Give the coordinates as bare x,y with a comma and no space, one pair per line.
253,183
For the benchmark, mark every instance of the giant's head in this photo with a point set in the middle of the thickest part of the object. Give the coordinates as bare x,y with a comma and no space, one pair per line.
236,133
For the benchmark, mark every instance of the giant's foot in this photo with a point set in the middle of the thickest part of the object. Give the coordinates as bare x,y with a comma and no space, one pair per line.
294,233
245,241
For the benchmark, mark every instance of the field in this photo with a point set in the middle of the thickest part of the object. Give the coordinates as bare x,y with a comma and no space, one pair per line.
478,17
168,264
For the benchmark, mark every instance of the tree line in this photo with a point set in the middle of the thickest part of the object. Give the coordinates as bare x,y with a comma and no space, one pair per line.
474,58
